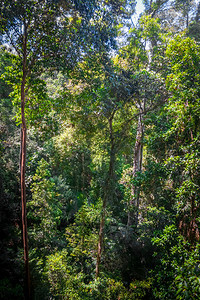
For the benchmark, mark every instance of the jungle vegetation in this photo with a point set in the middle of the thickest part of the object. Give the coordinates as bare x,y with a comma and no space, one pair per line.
99,150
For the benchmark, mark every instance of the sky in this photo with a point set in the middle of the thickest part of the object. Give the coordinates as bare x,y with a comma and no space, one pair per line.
139,7
138,10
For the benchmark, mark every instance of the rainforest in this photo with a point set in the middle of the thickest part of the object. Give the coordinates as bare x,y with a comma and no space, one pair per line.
99,150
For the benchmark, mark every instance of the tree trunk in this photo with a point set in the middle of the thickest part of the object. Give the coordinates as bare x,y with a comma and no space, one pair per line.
137,167
188,226
22,176
108,195
187,20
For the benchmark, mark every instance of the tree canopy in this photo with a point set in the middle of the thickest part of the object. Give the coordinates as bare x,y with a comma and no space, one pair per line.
99,150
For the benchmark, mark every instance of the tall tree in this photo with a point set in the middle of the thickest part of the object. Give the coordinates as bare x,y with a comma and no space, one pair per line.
149,90
185,7
149,94
105,96
51,34
183,83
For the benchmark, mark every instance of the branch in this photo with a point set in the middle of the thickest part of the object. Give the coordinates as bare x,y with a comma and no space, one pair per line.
122,134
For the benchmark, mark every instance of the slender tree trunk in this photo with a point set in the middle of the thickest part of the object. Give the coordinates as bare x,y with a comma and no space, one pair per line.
22,175
108,194
197,17
187,20
137,167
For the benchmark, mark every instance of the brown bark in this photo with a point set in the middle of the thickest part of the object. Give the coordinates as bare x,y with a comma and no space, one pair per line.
22,174
188,225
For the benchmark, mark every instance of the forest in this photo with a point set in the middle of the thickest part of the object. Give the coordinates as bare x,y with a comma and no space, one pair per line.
99,150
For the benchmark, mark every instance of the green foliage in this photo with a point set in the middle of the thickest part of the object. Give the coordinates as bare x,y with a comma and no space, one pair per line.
70,272
194,29
153,5
153,221
82,239
5,61
7,290
185,6
65,283
58,270
176,275
150,28
44,208
83,102
10,242
37,101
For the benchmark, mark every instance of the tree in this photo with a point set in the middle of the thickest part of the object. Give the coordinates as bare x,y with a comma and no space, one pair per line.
154,6
48,33
185,6
193,29
9,190
148,95
183,83
176,275
105,97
